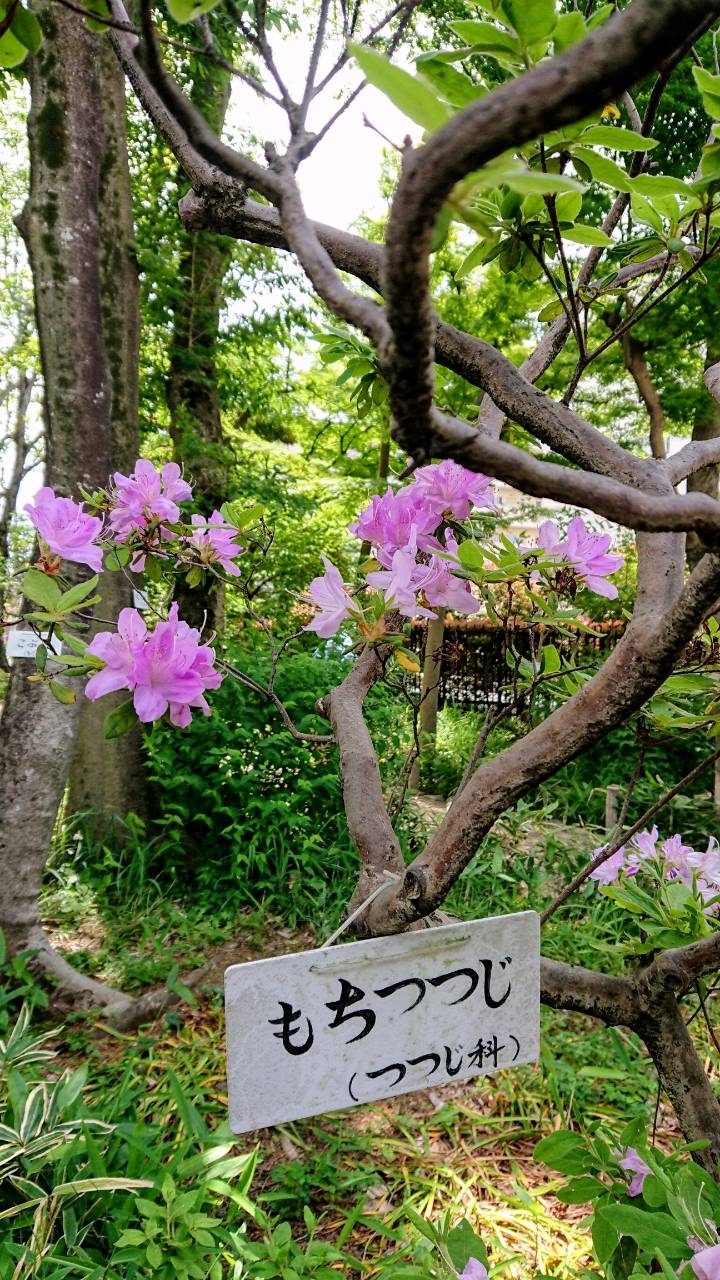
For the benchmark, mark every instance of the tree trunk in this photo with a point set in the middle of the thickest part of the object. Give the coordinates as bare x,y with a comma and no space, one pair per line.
192,390
60,225
430,693
107,779
706,479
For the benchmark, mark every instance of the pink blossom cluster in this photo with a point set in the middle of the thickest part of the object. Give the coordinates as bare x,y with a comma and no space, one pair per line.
166,669
66,528
583,552
676,861
146,497
213,542
416,559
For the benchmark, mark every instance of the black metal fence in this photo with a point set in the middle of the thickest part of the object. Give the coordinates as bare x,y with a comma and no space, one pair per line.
475,671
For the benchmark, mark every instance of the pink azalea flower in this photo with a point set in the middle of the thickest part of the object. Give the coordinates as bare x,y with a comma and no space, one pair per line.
586,553
610,869
449,489
166,670
66,528
147,495
214,542
442,588
706,1263
118,654
646,843
474,1270
548,538
388,521
329,593
583,551
677,857
633,1163
402,581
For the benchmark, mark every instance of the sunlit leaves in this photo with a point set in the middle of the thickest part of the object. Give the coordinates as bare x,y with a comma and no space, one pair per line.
187,10
533,20
23,36
414,96
616,138
709,87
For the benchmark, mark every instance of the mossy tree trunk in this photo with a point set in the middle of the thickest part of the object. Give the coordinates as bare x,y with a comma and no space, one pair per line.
107,779
61,224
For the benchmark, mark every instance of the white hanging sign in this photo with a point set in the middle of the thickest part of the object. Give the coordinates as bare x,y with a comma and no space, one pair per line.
140,600
332,1028
23,644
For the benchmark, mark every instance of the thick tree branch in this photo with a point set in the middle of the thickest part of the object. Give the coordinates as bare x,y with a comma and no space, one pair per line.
611,999
207,161
663,623
317,263
553,94
691,458
365,809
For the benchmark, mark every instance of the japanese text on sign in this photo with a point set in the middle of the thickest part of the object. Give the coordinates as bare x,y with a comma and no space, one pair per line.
332,1028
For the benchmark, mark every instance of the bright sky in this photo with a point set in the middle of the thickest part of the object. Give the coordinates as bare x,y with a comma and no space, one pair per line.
339,181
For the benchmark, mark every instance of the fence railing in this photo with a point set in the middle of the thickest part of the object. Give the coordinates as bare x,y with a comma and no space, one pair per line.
475,672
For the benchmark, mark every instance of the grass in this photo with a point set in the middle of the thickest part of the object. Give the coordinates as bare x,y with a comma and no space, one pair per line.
467,1148
463,1148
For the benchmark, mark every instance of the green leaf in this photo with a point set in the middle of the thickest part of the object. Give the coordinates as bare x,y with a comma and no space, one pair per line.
505,171
709,87
12,51
534,20
568,206
651,1230
615,137
582,234
26,28
475,258
70,599
41,655
194,576
41,589
486,38
61,693
410,94
644,212
604,1236
662,184
116,558
463,1244
120,720
454,86
188,10
581,1190
551,311
603,169
569,29
153,1252
102,9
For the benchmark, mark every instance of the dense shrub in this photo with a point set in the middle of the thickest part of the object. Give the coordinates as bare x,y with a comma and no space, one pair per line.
246,811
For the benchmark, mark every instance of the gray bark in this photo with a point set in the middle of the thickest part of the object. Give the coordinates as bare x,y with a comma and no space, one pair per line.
61,227
107,779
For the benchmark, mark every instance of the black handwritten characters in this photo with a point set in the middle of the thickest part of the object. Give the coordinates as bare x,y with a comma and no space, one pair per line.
481,1053
336,1027
290,1021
